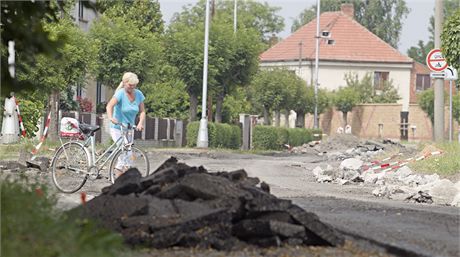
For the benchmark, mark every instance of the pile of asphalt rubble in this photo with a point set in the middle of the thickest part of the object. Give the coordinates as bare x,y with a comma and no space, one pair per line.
186,206
399,183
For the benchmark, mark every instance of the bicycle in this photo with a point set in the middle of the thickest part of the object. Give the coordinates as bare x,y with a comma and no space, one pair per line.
75,161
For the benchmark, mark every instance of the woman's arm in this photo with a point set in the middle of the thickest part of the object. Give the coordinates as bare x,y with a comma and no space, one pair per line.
140,125
109,109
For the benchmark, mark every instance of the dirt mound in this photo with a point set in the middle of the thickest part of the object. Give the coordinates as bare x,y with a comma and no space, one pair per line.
186,206
340,142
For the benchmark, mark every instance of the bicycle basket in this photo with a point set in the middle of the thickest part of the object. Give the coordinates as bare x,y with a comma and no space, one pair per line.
69,127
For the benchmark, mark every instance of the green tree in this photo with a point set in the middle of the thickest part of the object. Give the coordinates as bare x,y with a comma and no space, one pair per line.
233,57
381,17
344,100
145,14
422,49
426,102
167,97
22,23
122,48
235,103
450,38
366,92
269,90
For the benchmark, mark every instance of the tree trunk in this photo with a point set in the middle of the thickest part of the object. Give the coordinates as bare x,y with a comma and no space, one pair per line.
266,116
53,105
344,119
219,105
286,118
277,118
193,107
300,120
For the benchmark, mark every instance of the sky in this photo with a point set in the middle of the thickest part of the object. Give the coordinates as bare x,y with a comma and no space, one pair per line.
415,26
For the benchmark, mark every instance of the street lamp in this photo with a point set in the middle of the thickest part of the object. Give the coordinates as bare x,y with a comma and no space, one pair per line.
202,140
315,122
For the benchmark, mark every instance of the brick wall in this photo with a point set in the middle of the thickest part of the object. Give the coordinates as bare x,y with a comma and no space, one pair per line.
365,120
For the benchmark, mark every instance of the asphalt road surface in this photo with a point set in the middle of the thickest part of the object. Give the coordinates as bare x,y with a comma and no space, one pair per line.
401,228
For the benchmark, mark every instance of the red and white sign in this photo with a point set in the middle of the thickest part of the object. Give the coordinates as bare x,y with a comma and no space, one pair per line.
435,60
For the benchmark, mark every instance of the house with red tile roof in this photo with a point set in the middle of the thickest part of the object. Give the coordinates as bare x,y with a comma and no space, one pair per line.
350,48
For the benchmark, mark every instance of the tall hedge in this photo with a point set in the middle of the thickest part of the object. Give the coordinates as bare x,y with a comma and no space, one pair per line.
273,138
220,135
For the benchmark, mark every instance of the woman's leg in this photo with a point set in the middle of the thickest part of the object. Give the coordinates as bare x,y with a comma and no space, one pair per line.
116,134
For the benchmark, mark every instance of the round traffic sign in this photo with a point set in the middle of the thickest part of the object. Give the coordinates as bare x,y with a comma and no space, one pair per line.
435,60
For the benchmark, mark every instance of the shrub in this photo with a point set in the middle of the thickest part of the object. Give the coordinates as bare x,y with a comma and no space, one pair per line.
31,114
32,227
273,138
219,135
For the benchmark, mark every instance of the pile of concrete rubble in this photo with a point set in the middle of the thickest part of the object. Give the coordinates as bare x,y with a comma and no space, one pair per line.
185,206
343,146
400,184
397,182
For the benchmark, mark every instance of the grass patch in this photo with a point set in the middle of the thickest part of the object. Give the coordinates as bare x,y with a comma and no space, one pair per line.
31,226
446,164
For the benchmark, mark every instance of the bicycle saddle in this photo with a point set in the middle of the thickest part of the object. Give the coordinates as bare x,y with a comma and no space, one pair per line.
87,129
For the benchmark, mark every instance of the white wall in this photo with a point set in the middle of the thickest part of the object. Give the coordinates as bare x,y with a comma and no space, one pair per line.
331,74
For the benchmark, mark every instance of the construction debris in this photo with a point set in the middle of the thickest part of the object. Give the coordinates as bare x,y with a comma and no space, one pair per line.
185,206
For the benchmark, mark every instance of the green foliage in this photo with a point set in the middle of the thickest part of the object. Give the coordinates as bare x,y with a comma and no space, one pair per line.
456,108
220,135
234,104
30,115
450,38
266,138
345,99
381,17
273,138
419,52
270,88
66,102
123,47
251,14
145,14
366,92
32,227
75,59
323,100
233,57
422,49
22,23
426,101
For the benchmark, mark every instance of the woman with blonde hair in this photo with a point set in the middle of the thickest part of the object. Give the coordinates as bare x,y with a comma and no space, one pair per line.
123,108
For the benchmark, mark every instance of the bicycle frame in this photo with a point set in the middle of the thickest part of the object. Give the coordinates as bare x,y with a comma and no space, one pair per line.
101,161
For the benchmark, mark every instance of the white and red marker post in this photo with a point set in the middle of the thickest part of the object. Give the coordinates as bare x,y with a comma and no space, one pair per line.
21,124
42,139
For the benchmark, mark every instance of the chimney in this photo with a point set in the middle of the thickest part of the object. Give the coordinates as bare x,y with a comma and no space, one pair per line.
348,10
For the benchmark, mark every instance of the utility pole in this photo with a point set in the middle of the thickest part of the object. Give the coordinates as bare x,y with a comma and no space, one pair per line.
202,140
438,83
315,122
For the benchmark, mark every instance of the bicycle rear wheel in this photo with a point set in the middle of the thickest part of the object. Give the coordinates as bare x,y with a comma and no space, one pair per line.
129,158
69,167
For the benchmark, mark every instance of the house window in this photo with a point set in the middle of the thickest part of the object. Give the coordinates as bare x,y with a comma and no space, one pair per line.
80,10
380,77
422,82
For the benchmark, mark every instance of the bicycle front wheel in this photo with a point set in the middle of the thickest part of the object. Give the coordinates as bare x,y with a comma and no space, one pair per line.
70,167
129,158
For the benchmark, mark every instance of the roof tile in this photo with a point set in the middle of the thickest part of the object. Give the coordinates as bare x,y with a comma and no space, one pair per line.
353,42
